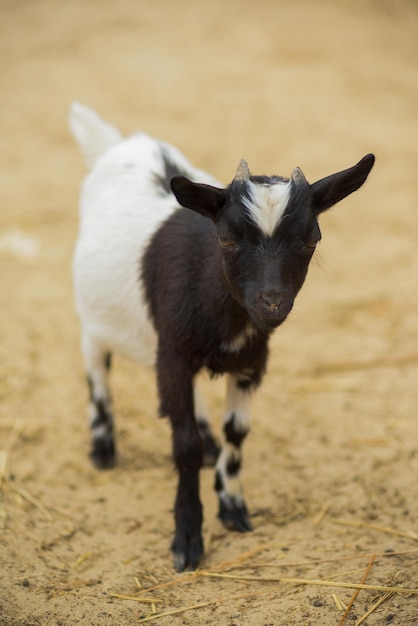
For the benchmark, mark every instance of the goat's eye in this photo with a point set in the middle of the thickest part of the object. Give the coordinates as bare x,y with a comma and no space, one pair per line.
226,242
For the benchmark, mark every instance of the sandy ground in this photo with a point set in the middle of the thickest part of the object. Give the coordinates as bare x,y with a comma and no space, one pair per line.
332,462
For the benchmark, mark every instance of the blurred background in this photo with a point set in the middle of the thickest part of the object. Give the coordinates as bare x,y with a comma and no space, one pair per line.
281,84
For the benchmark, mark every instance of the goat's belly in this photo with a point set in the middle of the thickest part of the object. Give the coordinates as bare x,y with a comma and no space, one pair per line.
136,343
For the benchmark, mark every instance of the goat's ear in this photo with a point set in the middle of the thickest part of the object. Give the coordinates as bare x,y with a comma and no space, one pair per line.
330,190
203,199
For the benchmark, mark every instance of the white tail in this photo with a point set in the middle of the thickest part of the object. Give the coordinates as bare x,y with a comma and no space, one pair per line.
92,133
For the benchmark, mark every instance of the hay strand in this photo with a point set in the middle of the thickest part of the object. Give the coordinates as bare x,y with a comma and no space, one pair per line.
183,609
4,467
322,513
306,581
384,529
357,591
334,559
338,603
27,496
84,556
122,596
375,606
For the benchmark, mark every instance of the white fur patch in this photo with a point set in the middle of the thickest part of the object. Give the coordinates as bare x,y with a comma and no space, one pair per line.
266,204
240,340
237,403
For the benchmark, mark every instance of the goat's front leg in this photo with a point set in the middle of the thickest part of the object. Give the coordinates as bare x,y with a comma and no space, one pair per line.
175,385
236,424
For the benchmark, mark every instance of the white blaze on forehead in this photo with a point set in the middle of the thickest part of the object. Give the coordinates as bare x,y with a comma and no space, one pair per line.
267,203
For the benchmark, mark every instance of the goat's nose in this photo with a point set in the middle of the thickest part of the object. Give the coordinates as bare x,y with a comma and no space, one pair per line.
272,299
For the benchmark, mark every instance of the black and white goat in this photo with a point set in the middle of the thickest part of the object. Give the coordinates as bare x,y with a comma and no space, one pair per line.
188,289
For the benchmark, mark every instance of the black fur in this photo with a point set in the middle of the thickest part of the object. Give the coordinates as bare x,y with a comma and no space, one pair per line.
103,451
232,434
211,447
162,182
233,466
235,517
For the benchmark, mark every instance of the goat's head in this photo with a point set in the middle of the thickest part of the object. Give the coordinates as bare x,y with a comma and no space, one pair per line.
267,231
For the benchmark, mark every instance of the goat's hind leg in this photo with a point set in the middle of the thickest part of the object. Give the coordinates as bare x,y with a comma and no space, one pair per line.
98,362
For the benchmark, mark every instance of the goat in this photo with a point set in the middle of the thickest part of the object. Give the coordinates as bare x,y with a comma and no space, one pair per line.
186,290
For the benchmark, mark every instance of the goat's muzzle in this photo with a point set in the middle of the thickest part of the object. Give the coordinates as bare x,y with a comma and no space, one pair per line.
271,307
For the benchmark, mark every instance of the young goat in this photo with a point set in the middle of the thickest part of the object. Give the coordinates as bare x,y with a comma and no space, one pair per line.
167,287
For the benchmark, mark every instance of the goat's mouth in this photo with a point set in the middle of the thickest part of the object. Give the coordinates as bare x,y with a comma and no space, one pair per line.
270,319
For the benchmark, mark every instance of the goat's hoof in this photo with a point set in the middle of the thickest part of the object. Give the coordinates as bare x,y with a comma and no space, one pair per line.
187,554
235,517
211,448
103,453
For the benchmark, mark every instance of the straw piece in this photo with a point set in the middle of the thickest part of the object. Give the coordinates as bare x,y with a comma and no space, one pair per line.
122,596
174,611
4,476
322,513
375,606
306,581
22,492
384,529
3,516
83,557
357,591
4,466
338,603
352,571
335,559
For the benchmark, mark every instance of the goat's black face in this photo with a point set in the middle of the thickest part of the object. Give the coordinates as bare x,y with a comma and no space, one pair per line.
267,231
265,261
